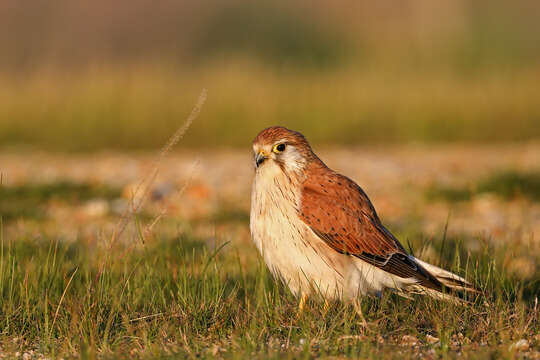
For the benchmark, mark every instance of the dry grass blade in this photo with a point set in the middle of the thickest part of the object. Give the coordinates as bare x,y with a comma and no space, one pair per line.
62,298
146,184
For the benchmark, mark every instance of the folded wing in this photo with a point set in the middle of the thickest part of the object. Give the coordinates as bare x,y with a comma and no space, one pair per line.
340,213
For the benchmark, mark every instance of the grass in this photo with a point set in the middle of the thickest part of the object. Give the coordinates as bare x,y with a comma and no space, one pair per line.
29,200
177,296
137,107
508,185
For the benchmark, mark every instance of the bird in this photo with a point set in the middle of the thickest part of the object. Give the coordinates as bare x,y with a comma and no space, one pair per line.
319,233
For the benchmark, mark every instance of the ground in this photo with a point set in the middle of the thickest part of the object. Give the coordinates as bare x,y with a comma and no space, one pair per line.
81,275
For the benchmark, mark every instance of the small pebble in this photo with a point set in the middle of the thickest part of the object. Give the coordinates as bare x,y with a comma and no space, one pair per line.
432,339
409,340
520,345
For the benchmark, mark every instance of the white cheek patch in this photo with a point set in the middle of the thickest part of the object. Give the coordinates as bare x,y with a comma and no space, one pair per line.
293,160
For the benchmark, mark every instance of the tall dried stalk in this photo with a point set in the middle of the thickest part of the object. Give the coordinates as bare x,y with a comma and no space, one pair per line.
145,185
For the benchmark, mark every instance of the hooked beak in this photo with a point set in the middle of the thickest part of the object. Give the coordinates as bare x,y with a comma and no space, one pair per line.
259,159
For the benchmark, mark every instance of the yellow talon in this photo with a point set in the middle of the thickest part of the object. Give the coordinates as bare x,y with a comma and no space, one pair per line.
326,306
302,303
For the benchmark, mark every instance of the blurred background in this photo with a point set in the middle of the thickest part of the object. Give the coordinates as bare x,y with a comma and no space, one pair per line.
94,75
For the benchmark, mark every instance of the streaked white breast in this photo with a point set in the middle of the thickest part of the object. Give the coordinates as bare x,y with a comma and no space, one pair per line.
290,249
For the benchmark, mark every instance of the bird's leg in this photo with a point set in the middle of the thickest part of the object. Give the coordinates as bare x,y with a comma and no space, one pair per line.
358,308
326,306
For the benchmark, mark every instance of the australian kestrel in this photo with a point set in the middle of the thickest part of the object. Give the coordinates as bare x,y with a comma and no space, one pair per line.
318,231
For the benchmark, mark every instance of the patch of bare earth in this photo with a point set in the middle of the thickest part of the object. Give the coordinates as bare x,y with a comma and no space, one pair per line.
197,184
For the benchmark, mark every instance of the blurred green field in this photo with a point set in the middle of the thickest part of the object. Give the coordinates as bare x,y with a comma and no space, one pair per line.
139,108
508,184
91,76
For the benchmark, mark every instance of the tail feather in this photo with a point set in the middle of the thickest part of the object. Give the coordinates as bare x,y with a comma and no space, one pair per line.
448,279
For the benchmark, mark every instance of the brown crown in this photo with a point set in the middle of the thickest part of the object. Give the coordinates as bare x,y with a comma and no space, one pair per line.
273,134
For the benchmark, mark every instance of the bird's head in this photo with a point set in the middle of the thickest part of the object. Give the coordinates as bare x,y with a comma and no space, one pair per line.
280,149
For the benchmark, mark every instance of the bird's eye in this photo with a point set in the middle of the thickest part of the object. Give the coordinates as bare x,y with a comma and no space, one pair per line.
279,148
